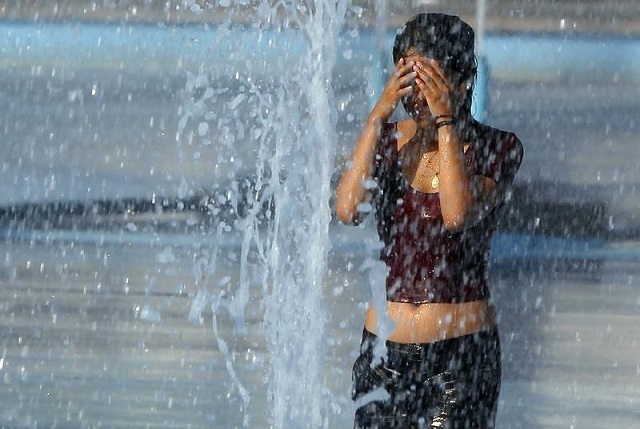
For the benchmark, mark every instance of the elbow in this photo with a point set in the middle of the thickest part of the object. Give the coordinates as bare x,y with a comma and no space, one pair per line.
351,212
456,222
459,215
344,214
346,207
348,214
342,207
453,225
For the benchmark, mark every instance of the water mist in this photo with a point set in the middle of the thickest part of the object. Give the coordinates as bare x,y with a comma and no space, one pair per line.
292,135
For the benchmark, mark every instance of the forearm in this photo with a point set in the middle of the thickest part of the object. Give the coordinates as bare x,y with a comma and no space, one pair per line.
457,198
352,189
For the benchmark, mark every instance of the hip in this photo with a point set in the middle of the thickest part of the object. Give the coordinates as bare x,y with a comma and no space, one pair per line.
453,383
465,354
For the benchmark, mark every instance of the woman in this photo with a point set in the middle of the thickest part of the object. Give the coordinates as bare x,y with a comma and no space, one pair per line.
441,176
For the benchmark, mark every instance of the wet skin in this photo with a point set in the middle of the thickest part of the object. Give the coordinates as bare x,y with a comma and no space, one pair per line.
424,89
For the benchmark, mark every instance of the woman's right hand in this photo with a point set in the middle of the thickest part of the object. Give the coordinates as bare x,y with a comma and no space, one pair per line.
398,86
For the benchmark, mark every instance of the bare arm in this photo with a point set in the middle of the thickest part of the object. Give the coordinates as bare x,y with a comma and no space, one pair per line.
464,199
352,186
352,189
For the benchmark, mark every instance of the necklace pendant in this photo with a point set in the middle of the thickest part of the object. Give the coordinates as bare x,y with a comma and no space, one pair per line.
435,181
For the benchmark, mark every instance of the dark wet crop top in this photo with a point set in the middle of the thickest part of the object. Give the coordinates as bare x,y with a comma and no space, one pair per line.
426,262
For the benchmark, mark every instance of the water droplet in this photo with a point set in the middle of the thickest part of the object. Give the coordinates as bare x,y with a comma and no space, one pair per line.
203,129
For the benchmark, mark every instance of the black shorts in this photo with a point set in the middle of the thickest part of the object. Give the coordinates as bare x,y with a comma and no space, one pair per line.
451,384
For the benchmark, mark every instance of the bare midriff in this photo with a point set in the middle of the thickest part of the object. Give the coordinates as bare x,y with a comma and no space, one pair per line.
431,322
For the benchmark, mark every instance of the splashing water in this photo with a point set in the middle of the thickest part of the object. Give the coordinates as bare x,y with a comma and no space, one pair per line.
293,136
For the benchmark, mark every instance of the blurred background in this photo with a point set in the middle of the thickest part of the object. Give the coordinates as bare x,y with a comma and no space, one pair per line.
129,154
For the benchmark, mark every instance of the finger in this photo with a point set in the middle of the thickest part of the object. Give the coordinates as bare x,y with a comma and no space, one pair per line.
427,74
436,67
427,79
405,91
428,91
404,67
426,88
422,74
435,73
407,79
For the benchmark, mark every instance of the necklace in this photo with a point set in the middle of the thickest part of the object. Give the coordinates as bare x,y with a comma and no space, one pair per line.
435,181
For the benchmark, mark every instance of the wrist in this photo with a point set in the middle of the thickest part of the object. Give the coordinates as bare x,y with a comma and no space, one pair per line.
377,119
381,112
445,123
442,121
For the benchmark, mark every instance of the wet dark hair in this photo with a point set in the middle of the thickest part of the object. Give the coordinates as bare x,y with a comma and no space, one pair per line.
445,38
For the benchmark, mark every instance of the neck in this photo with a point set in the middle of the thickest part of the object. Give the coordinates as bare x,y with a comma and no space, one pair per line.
426,136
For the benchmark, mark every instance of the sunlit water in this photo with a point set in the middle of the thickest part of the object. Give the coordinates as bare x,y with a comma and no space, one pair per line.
291,119
98,336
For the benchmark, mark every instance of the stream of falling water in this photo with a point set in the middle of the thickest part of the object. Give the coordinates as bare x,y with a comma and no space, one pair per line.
292,131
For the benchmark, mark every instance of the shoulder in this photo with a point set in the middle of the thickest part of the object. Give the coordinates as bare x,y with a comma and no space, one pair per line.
494,142
497,154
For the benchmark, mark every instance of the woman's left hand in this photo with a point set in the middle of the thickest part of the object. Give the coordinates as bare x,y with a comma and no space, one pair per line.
435,87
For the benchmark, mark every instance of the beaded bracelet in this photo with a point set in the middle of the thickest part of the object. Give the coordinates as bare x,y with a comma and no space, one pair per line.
444,123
